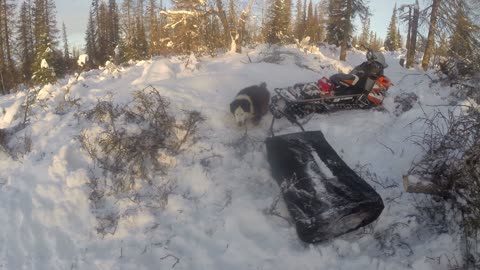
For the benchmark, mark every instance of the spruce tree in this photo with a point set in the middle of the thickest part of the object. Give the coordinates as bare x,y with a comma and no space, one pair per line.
462,37
278,22
25,43
391,41
154,29
113,26
45,36
363,40
339,24
321,15
8,74
66,52
90,41
335,31
186,22
400,40
310,29
299,30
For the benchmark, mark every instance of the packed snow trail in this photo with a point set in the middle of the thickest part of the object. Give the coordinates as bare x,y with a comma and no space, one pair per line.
220,214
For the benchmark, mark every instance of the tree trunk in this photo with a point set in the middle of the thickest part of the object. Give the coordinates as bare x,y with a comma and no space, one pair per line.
407,44
431,35
346,34
10,65
413,37
241,27
223,19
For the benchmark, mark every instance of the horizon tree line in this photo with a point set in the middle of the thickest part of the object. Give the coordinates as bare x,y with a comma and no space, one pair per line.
30,51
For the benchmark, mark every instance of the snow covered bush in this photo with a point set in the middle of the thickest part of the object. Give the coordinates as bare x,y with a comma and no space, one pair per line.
132,143
43,72
452,163
132,147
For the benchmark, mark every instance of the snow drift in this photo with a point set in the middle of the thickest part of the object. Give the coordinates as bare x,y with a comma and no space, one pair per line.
223,209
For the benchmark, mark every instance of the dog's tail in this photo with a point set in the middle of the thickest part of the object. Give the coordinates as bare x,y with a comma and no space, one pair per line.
263,85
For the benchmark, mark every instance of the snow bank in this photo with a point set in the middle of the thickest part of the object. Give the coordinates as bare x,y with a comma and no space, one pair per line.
222,212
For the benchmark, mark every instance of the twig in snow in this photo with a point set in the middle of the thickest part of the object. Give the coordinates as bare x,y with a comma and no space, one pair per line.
177,260
391,150
249,59
272,210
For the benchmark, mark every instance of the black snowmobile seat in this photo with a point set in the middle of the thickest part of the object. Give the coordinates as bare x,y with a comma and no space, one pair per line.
344,79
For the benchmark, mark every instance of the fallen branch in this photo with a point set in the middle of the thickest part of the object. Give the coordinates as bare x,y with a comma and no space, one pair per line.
415,184
391,150
177,260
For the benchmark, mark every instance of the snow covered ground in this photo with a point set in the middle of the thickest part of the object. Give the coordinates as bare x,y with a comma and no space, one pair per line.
217,215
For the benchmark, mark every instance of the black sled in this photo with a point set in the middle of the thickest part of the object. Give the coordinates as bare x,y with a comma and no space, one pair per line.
325,198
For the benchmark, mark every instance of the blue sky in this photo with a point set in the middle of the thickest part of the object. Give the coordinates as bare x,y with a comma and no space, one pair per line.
75,15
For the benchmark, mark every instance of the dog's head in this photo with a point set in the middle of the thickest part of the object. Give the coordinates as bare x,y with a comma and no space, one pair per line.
241,110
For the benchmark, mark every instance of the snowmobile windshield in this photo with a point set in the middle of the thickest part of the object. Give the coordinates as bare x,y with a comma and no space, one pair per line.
377,57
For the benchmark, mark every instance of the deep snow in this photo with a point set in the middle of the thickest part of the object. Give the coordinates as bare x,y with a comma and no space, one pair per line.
217,216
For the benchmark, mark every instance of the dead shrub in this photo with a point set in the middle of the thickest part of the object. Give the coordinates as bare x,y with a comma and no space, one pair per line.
133,137
452,163
132,146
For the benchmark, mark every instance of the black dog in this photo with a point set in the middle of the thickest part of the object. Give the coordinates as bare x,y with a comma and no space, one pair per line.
250,103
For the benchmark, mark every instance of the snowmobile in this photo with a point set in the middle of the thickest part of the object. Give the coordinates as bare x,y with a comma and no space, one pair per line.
327,95
323,195
339,92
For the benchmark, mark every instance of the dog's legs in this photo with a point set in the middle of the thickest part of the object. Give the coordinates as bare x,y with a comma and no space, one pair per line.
256,119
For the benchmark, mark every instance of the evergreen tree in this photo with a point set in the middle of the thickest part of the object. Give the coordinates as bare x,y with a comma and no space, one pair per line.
186,22
299,30
44,72
90,40
363,40
400,40
128,27
45,36
154,29
8,74
141,45
278,21
25,43
391,41
103,25
66,52
339,24
214,38
335,31
375,42
462,38
320,21
443,47
113,26
103,32
310,29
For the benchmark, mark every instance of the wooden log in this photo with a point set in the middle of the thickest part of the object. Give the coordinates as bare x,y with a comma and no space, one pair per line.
417,184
